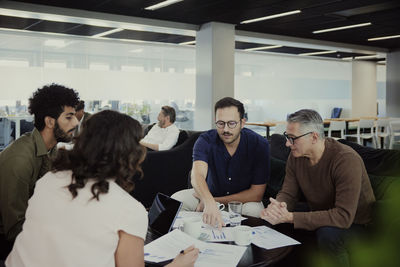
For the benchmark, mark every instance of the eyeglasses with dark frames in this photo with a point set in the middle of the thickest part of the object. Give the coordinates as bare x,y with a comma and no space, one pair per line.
231,124
292,139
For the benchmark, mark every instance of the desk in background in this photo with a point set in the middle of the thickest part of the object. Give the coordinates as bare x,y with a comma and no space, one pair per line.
17,120
269,124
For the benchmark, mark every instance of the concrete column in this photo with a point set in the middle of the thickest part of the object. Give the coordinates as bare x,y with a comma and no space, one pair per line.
363,93
215,65
393,84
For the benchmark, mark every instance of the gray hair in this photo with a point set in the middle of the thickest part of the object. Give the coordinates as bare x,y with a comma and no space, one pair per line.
309,120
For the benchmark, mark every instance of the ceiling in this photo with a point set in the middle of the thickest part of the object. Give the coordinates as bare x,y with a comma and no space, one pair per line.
315,15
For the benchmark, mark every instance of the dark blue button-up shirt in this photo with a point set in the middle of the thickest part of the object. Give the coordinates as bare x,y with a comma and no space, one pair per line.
227,174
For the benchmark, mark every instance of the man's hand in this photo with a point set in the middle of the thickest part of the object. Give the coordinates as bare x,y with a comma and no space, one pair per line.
212,215
276,213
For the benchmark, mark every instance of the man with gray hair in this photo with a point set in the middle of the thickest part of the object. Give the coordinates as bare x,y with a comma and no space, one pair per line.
333,179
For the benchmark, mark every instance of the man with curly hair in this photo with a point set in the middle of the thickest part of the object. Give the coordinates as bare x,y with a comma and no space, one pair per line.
28,158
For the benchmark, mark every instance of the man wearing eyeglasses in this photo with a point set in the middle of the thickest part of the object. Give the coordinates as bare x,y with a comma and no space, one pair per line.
333,179
230,163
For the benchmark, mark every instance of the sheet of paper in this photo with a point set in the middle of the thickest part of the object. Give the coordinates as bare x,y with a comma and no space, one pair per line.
211,254
268,238
187,214
211,234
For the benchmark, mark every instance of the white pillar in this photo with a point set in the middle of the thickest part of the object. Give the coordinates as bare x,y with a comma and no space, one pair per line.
393,84
363,93
215,65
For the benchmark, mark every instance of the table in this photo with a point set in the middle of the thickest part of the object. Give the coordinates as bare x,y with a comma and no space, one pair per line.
253,256
268,124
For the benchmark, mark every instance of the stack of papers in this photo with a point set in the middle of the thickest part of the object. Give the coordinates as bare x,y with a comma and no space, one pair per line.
263,236
211,254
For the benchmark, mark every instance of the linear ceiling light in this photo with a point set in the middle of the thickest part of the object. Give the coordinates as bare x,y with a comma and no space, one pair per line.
136,26
162,4
384,38
343,28
188,43
271,16
317,53
262,48
107,32
360,57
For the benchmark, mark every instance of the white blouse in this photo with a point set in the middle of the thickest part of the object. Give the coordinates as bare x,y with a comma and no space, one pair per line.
62,231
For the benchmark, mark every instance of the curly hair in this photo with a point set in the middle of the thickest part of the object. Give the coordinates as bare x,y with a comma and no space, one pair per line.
50,100
107,148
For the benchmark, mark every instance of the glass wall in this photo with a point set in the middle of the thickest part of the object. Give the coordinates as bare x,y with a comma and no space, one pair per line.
132,77
272,85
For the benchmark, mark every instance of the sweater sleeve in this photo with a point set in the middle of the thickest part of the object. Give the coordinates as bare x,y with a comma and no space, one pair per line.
290,191
347,174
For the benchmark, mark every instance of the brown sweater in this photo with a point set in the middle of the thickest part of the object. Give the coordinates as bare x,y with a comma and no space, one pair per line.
337,188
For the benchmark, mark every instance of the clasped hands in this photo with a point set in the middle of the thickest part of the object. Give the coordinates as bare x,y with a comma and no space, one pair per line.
276,212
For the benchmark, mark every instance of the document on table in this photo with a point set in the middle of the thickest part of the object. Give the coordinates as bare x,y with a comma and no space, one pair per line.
188,214
211,254
268,238
211,234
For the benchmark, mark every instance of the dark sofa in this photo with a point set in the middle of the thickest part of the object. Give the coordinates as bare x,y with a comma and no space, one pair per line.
165,171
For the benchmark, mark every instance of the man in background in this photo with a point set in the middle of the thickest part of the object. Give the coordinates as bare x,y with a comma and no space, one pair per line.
28,158
164,134
81,115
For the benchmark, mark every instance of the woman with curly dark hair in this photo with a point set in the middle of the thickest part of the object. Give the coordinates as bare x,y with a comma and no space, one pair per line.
81,213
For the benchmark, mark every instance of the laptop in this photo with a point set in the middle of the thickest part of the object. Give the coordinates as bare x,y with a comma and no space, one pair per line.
163,213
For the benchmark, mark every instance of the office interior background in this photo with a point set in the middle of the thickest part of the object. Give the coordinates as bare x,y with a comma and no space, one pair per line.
138,76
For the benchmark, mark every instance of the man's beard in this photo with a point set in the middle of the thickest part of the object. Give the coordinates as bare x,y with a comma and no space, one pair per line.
161,123
232,141
60,135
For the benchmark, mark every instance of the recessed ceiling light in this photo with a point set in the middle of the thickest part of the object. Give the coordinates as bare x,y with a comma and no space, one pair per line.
384,38
271,16
343,28
162,4
107,32
188,43
318,53
262,48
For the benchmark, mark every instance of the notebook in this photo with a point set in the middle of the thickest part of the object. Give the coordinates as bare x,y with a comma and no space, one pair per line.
162,213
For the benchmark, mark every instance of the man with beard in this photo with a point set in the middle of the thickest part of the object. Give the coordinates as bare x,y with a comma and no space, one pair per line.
333,181
164,135
230,163
28,158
